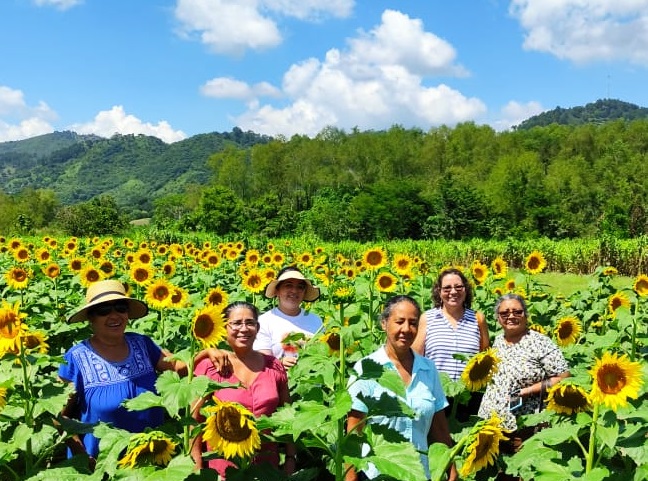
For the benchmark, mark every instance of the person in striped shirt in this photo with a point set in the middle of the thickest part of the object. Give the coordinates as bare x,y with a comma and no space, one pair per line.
452,327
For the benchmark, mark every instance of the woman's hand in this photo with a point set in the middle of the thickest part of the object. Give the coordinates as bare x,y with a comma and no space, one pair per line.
220,359
288,361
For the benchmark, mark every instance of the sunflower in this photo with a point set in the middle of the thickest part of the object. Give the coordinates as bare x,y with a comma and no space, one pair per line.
510,285
305,259
107,267
568,399
154,447
14,244
97,253
535,263
21,254
179,298
254,281
252,256
342,293
615,378
17,277
169,268
230,430
538,328
35,341
375,258
479,272
3,398
640,285
162,249
567,331
616,301
216,297
158,294
89,275
348,272
43,255
610,271
208,325
386,282
212,259
52,270
332,339
144,255
11,327
232,254
483,446
141,273
480,369
76,264
500,268
402,263
278,259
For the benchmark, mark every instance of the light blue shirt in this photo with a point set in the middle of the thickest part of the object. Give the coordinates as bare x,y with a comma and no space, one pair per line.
424,395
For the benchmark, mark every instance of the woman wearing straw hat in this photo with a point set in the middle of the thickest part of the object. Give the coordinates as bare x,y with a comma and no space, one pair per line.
113,365
291,289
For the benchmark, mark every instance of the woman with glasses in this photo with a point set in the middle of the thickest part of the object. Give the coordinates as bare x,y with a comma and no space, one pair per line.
261,385
114,365
530,363
452,327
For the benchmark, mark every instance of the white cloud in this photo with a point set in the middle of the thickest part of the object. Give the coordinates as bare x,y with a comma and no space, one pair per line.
229,88
378,81
233,26
60,4
18,120
514,113
586,30
109,122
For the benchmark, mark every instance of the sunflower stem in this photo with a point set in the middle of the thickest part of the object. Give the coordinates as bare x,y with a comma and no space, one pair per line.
340,472
589,461
634,332
454,452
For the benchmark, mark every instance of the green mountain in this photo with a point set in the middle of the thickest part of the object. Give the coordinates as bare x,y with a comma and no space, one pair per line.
593,113
134,169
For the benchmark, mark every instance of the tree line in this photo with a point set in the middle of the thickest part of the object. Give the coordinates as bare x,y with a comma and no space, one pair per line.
556,181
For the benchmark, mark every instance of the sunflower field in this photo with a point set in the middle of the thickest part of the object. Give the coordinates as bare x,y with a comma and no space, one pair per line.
596,420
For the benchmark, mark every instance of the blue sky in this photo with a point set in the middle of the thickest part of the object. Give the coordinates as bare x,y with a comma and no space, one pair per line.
177,68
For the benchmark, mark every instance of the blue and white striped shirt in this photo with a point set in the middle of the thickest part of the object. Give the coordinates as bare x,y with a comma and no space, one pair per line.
442,340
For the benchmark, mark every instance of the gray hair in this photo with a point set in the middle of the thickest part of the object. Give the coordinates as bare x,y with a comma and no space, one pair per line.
511,297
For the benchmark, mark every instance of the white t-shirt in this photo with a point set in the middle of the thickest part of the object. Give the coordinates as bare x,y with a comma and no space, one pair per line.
275,326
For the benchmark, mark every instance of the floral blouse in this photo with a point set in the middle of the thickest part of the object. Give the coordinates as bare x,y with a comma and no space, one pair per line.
534,358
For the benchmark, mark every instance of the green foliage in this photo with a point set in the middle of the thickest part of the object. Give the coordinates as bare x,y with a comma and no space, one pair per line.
99,216
596,112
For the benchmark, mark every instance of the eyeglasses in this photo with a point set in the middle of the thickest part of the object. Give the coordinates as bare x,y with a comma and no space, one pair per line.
107,307
458,288
511,312
238,325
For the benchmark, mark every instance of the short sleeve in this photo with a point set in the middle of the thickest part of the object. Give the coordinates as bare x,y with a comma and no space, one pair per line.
263,341
68,371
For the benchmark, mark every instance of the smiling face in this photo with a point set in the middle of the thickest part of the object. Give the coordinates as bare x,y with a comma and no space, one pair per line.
242,328
401,326
512,318
290,295
452,291
109,324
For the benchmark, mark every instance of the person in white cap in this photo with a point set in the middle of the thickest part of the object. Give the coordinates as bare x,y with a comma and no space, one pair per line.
291,288
114,365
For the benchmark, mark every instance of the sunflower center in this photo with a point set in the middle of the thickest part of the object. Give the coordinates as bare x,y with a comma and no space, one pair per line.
254,281
565,331
8,326
229,426
204,327
570,398
481,369
484,445
161,292
374,258
611,379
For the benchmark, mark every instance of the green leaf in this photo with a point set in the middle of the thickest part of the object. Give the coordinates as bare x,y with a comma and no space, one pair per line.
178,393
555,435
608,435
399,460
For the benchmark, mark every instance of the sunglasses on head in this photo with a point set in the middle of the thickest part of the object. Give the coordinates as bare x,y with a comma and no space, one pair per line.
107,307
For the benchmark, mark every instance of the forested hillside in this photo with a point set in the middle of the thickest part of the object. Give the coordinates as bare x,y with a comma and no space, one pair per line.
593,113
556,181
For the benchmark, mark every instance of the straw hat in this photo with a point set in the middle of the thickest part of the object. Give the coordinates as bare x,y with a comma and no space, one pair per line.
105,291
311,294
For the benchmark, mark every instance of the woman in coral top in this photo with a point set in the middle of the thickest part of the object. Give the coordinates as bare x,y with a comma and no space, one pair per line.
262,384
